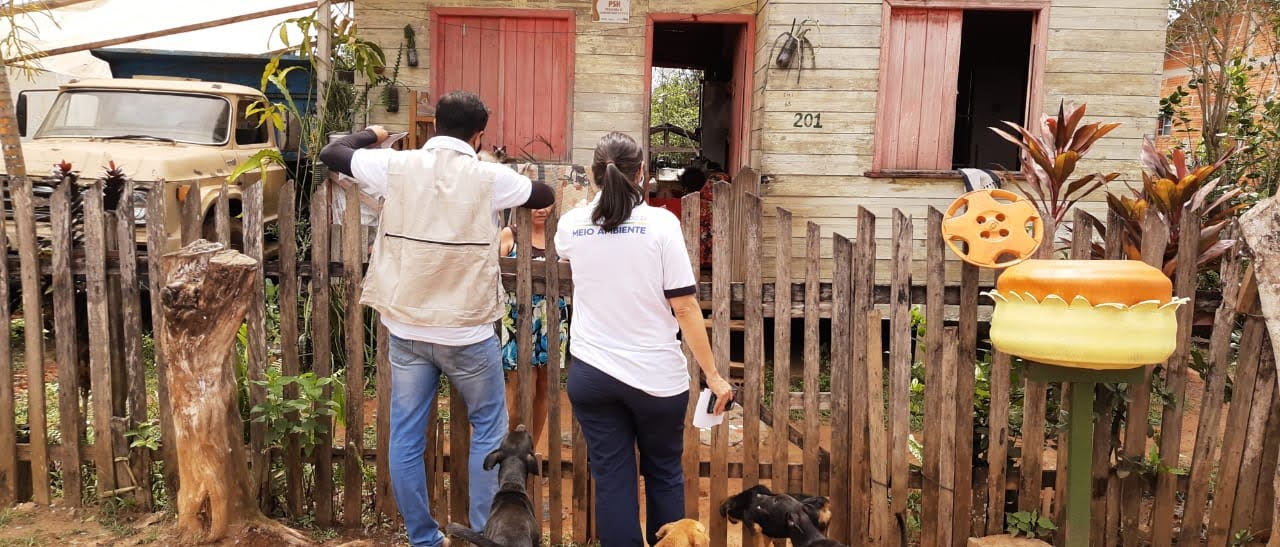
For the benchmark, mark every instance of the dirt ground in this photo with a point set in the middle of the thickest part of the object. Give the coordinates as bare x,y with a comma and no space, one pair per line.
29,525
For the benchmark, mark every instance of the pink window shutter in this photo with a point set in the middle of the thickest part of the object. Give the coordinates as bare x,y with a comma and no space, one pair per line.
919,90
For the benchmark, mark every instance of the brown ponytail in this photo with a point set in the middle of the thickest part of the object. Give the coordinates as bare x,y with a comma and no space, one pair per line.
617,159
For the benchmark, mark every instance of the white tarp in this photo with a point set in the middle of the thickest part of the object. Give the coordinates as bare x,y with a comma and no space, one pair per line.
106,19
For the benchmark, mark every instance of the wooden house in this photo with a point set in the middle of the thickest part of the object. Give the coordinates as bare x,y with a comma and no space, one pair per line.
896,96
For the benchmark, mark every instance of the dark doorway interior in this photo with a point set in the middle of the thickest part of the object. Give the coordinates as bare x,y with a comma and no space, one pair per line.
995,57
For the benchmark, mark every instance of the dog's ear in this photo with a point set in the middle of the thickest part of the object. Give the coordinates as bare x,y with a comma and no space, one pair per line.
532,464
492,459
662,532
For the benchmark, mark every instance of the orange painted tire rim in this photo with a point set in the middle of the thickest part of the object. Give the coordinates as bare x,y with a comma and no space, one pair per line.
993,226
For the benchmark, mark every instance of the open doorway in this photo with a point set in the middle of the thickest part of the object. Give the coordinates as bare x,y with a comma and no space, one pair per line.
699,89
993,82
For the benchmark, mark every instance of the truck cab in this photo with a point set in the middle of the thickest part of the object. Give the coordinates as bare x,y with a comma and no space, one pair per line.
170,130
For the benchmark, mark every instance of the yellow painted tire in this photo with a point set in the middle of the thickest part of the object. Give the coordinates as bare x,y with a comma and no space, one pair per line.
1080,334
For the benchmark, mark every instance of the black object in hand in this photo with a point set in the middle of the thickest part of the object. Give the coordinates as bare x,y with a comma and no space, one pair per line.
711,403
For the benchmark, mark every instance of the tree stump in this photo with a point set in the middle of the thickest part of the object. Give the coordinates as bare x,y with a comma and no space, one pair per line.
205,298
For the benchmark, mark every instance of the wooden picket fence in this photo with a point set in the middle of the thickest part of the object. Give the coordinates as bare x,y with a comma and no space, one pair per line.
968,476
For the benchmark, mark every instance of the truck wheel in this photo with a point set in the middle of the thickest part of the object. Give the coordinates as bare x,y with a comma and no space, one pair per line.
236,229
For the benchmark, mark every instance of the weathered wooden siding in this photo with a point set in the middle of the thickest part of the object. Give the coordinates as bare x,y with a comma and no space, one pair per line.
1107,56
609,65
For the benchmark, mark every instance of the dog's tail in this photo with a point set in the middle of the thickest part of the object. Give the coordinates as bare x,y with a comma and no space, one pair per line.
466,534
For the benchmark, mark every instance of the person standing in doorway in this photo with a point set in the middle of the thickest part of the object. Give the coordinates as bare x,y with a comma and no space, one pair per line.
628,379
433,277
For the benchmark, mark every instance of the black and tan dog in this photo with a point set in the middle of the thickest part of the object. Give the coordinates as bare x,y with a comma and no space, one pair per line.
511,519
804,533
766,512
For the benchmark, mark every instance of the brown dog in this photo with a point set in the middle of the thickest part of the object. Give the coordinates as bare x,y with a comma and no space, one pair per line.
683,533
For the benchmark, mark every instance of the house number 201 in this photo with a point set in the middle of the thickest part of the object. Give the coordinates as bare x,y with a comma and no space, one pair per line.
808,119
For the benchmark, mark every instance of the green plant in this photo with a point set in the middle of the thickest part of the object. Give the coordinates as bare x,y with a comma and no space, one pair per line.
1030,524
299,416
146,435
1050,153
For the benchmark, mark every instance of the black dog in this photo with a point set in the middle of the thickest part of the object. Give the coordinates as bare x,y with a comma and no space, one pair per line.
805,534
511,519
766,512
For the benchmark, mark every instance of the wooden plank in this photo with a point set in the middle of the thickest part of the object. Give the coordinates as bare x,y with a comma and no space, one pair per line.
753,342
384,496
1235,438
131,317
812,426
879,522
863,514
1260,412
322,356
554,439
900,363
582,489
781,351
459,444
156,213
1154,237
8,416
721,269
192,221
524,317
1034,394
931,534
1175,375
289,362
353,327
842,348
222,216
967,521
998,439
33,352
1263,503
1208,427
947,442
690,210
439,500
99,329
65,340
256,322
1104,479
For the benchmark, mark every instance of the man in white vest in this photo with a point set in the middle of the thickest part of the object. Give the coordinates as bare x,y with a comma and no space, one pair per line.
433,277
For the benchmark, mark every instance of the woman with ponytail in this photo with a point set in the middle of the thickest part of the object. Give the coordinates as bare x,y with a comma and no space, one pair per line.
634,289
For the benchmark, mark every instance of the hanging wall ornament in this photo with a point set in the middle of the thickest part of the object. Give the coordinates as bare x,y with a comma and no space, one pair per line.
411,45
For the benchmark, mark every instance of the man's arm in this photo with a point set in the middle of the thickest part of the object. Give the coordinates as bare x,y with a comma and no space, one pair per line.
337,154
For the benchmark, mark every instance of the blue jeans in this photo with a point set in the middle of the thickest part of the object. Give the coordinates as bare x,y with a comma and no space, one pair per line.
476,371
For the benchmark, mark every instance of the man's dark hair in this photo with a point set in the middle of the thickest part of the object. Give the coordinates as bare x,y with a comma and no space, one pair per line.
461,114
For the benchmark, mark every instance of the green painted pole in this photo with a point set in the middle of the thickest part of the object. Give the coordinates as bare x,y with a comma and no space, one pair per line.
1079,464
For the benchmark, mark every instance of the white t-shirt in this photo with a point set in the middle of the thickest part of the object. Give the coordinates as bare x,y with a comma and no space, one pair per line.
622,280
510,189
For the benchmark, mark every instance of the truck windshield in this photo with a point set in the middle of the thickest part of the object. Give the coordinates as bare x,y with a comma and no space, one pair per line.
196,119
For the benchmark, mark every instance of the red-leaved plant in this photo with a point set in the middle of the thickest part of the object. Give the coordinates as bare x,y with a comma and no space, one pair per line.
1050,154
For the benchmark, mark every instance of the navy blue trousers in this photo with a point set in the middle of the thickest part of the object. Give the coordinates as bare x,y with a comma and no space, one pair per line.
616,420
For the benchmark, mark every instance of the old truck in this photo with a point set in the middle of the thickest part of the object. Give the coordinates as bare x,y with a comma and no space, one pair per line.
171,130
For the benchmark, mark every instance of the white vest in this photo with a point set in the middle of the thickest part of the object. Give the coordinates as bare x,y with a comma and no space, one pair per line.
435,260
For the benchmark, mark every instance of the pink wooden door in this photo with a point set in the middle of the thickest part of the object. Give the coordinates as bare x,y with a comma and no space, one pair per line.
918,101
521,67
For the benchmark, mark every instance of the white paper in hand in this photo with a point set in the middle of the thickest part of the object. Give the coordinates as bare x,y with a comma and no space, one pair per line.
703,419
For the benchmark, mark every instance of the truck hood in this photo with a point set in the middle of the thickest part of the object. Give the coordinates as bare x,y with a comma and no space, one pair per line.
141,160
